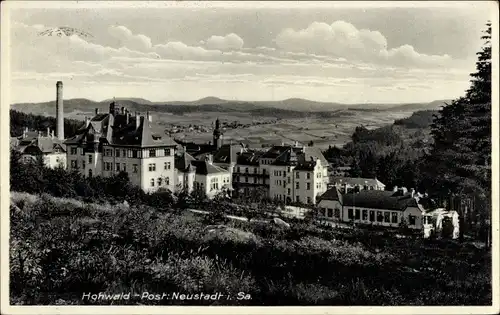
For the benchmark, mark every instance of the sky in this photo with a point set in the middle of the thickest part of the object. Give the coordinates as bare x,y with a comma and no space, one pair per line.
328,53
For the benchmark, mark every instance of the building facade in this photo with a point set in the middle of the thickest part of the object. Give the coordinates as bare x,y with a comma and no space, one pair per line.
373,207
33,145
114,142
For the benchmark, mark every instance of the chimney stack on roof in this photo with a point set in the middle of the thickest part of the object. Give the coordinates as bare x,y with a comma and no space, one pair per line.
137,120
112,107
59,110
209,158
122,110
97,111
296,144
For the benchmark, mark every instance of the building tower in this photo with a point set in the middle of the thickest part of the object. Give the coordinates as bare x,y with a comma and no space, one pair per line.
59,111
217,135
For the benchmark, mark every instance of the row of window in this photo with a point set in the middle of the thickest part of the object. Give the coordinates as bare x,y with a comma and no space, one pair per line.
288,199
245,179
279,182
160,181
136,153
166,166
297,174
255,170
365,187
367,215
131,153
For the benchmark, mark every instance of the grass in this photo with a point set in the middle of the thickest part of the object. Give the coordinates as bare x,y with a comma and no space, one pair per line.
61,248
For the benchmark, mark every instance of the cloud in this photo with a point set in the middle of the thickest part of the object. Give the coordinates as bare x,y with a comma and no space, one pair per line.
344,40
127,39
225,43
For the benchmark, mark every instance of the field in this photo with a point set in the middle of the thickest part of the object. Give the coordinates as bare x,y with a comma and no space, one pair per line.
334,130
63,248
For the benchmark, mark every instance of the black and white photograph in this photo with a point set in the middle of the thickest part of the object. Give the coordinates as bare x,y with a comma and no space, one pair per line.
299,157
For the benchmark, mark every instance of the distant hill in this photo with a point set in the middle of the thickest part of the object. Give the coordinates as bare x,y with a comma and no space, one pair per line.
290,108
435,105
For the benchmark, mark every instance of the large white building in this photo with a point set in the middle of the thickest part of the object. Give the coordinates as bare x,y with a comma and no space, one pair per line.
201,175
115,141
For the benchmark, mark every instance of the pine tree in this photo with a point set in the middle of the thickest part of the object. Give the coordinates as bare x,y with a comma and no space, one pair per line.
460,161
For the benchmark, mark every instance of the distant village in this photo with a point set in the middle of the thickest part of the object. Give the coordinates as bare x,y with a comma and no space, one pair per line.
295,174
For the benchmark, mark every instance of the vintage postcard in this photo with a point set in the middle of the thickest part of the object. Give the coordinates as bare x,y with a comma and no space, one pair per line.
249,157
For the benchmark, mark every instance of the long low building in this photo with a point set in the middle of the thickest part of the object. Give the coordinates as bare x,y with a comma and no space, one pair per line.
376,207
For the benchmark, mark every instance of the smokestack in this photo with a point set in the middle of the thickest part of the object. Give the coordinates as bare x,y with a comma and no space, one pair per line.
137,120
59,111
96,111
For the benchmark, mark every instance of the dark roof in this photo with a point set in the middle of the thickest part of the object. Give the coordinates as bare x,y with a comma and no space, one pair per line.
274,152
227,153
332,194
183,161
305,166
118,132
291,155
99,117
379,199
249,158
40,144
353,181
196,148
204,168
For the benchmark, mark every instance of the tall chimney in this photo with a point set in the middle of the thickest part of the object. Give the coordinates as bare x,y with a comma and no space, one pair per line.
127,115
137,120
96,111
59,111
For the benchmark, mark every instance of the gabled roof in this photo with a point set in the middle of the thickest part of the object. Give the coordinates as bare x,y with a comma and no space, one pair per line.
249,158
274,152
228,153
288,155
379,199
121,133
353,181
205,168
332,194
40,144
183,161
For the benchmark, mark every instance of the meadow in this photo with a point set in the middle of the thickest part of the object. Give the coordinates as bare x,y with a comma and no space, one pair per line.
335,129
61,248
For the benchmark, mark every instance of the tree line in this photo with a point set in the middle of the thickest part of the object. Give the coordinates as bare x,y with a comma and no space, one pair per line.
19,121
